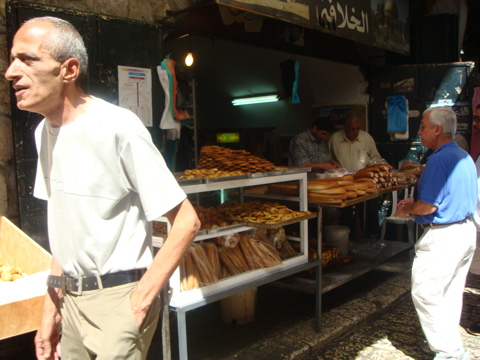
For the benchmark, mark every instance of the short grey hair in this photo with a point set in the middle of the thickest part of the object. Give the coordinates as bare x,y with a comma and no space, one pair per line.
352,117
445,117
64,42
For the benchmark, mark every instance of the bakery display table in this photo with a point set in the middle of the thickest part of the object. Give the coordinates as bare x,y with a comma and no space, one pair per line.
183,301
367,255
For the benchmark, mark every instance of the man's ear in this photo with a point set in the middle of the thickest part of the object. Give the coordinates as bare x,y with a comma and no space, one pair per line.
71,68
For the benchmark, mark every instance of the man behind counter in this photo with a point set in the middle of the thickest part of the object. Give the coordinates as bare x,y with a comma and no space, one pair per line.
352,147
309,148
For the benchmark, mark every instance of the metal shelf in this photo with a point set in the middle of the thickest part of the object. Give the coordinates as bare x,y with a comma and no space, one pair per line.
241,183
183,301
345,273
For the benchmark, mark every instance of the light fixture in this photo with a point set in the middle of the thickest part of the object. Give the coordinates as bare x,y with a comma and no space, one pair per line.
189,59
255,100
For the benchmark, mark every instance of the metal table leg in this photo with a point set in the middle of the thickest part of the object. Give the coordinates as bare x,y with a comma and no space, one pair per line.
182,334
165,319
318,276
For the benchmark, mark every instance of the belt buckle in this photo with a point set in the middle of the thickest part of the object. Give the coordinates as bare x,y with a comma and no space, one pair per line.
74,285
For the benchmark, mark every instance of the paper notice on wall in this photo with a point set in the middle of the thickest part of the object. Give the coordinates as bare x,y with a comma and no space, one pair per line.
135,91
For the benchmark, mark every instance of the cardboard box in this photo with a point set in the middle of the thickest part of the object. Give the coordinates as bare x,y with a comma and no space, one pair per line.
22,304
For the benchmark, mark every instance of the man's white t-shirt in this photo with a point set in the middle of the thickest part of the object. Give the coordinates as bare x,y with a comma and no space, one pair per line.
104,180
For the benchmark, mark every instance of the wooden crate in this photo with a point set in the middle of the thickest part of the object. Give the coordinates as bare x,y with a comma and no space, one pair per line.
22,311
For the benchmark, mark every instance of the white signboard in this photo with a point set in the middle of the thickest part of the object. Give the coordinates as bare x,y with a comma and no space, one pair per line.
135,91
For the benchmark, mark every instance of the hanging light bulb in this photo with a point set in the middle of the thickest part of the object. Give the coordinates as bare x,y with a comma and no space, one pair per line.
189,59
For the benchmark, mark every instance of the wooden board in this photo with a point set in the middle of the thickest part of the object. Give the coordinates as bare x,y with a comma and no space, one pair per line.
20,317
16,248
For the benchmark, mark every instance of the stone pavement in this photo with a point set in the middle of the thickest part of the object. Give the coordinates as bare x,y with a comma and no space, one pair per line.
396,333
371,317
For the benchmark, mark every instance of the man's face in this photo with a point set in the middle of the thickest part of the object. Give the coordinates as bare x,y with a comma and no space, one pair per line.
35,75
320,135
476,122
427,132
352,129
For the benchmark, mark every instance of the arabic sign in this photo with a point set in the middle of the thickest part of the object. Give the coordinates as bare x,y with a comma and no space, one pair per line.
381,23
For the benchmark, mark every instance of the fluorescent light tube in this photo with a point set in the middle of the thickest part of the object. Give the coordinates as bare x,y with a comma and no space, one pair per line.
255,100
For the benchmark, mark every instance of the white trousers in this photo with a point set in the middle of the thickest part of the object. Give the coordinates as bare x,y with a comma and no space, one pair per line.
442,259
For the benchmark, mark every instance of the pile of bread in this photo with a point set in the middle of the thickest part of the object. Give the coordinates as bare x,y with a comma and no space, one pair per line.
207,262
336,190
330,255
224,159
409,172
11,273
160,229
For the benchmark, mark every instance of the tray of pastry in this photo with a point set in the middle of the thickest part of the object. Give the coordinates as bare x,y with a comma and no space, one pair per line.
190,181
262,212
264,174
270,224
232,227
295,170
226,178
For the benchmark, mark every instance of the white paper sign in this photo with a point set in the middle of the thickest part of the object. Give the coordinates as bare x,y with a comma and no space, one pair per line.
135,91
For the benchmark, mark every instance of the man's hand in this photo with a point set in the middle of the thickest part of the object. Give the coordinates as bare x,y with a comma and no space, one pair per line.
326,166
139,313
47,339
400,212
47,350
414,207
336,164
185,225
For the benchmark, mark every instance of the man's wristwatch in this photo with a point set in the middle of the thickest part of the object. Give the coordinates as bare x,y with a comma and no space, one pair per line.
405,211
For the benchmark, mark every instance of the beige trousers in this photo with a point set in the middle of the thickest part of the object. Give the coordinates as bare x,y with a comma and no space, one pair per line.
99,325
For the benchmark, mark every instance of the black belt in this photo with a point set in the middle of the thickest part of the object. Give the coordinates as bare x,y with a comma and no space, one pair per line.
75,285
426,226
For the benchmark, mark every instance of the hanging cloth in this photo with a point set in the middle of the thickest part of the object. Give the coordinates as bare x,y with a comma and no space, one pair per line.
290,70
397,114
184,90
178,114
167,122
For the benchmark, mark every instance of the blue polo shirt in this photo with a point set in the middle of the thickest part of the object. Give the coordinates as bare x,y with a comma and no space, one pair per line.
449,182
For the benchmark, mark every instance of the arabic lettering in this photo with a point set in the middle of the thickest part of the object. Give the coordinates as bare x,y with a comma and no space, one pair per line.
338,18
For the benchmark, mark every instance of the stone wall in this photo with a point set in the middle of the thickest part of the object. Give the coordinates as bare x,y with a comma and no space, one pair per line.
143,10
8,193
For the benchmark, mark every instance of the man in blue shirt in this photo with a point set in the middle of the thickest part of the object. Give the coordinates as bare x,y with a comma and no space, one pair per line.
447,195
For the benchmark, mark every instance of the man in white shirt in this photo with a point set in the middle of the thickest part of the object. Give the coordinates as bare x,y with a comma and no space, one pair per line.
104,182
352,147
